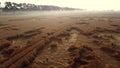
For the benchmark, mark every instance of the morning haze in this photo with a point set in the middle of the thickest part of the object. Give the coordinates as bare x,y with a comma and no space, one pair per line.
59,34
82,4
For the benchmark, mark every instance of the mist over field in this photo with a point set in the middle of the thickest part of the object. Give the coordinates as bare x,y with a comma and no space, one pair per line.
59,34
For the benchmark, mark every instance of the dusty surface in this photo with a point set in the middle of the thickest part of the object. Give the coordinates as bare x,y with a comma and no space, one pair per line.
60,40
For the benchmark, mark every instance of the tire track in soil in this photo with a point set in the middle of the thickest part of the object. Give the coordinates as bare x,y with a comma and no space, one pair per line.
16,60
58,58
103,56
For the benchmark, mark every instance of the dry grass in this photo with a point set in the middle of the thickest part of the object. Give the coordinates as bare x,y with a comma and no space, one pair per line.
112,50
4,44
103,36
53,44
72,48
1,57
11,51
84,57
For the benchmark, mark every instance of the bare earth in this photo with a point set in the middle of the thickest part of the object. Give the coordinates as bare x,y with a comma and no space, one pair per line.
68,39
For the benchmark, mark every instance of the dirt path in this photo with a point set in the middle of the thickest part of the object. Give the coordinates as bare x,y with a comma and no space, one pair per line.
59,57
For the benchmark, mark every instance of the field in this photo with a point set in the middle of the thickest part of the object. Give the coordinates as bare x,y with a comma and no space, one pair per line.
71,39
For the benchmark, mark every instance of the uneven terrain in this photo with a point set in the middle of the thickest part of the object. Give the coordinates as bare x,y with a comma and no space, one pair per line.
71,39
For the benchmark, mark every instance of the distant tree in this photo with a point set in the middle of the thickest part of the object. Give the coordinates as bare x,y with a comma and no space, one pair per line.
20,6
27,6
24,6
0,4
8,6
14,6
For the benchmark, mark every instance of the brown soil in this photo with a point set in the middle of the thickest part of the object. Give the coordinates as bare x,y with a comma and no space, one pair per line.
60,40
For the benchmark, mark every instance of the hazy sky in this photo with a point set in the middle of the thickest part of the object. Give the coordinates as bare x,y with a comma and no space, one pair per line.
84,4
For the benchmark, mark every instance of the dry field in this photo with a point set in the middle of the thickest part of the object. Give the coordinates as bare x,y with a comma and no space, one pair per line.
60,40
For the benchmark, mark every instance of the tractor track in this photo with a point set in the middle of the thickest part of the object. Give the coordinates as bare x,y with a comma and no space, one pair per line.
29,53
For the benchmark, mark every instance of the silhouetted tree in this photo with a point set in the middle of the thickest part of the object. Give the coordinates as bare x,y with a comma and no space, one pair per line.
27,6
8,5
0,4
20,6
14,6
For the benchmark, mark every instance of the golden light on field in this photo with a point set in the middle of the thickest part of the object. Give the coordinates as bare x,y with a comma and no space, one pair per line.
84,4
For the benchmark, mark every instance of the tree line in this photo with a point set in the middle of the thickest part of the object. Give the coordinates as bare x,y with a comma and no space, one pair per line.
12,6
